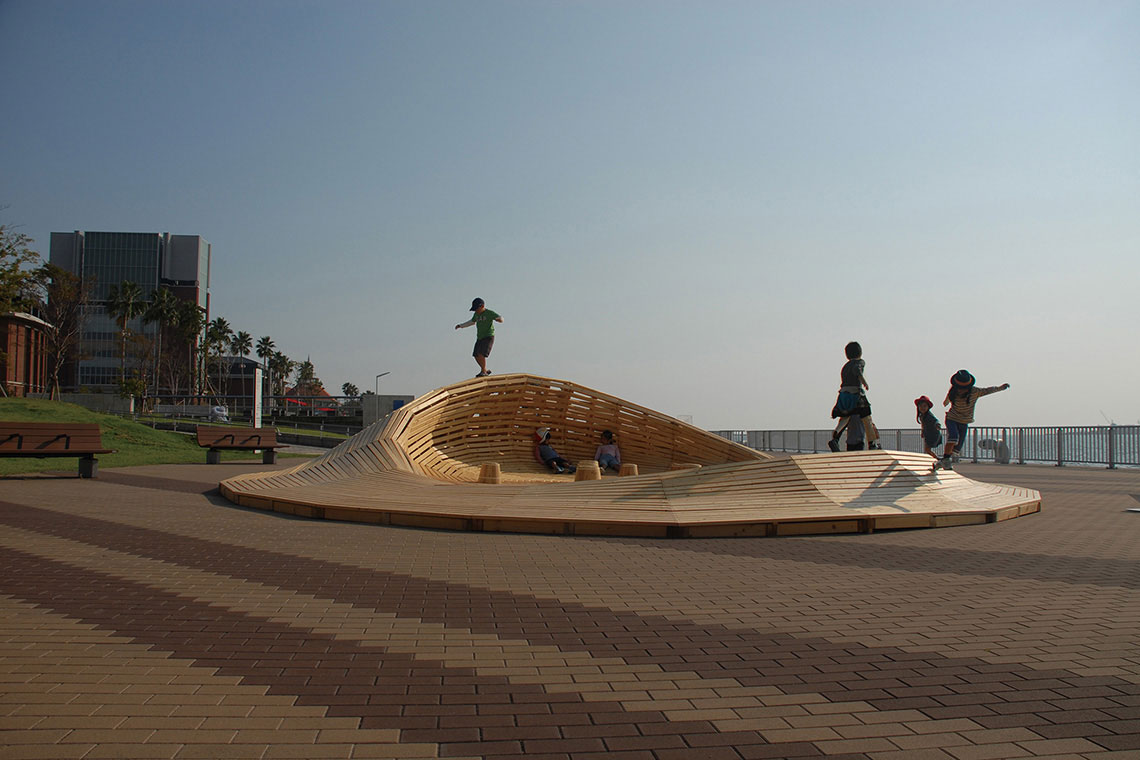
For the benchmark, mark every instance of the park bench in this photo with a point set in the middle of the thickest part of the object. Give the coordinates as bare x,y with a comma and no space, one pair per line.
217,439
54,439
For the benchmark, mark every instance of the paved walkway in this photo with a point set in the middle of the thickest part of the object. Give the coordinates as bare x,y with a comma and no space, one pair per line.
143,616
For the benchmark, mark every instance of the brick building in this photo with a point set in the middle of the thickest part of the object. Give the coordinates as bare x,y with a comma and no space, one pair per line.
23,363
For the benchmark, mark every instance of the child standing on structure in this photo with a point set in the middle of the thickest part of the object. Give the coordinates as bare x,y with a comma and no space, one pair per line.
484,320
931,430
961,399
852,399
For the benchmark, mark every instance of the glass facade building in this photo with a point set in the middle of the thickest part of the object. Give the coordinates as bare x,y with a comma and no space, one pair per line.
110,258
151,260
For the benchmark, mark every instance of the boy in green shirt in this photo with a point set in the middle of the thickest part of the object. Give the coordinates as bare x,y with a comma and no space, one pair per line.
484,320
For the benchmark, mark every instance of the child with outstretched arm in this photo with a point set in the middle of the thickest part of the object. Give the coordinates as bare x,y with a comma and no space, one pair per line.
961,398
484,320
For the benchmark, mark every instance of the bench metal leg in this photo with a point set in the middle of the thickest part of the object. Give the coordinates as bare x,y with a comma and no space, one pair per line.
214,456
269,456
88,467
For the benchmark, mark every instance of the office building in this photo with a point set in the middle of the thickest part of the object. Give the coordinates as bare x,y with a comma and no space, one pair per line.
179,263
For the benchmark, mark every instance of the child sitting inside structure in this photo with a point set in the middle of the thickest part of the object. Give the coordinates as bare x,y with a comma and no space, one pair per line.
608,454
545,453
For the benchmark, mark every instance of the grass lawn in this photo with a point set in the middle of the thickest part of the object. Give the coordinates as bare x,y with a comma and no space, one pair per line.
134,443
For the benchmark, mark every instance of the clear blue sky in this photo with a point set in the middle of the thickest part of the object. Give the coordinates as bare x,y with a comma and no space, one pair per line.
692,205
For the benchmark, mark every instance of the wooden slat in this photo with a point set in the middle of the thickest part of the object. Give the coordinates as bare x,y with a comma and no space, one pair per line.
236,437
40,439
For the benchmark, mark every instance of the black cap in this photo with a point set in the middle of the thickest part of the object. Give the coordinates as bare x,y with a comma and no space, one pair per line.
476,304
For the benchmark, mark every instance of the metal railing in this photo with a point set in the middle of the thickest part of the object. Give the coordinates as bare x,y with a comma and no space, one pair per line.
1109,445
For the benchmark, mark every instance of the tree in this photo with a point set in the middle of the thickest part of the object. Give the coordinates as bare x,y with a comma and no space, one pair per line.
65,297
265,348
124,303
349,389
17,282
190,321
241,344
281,366
218,336
163,311
17,275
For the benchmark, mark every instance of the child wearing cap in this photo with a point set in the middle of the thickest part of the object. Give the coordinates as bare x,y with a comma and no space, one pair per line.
961,399
548,456
931,430
484,320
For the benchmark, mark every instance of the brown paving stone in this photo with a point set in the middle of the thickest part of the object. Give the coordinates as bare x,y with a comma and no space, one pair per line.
800,659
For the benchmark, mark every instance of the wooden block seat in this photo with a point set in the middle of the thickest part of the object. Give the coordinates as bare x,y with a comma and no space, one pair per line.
54,439
219,439
423,465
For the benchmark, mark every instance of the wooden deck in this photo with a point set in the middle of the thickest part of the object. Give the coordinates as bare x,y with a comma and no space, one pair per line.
420,467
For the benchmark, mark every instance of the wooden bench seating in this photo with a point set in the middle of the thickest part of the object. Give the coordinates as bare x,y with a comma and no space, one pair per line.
218,439
54,439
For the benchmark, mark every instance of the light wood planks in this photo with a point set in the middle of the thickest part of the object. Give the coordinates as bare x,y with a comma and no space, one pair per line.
421,468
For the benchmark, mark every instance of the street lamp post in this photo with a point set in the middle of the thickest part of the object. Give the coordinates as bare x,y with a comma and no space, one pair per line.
378,381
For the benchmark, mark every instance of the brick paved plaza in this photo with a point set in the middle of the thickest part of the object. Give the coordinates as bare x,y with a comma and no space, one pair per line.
141,615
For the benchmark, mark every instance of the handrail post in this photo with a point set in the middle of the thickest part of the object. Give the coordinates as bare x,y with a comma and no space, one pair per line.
1021,446
1060,447
975,434
1111,447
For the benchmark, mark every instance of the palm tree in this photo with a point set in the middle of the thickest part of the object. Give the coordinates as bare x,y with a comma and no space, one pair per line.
124,303
265,348
349,389
189,323
241,344
218,335
281,366
163,310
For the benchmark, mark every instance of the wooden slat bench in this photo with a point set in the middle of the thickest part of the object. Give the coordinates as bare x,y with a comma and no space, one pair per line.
217,439
54,439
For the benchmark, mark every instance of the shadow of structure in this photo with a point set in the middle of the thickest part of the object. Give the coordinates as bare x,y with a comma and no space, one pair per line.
421,467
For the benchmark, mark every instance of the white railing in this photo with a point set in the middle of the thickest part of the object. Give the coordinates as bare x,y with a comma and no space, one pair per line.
1108,445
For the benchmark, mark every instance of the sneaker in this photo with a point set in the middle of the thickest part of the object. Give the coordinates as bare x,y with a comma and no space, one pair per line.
833,444
947,464
557,469
571,469
874,446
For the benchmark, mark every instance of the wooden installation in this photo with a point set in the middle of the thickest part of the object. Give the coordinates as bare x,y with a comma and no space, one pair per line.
433,464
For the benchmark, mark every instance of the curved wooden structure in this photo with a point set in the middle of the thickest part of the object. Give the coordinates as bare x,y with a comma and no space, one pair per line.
423,466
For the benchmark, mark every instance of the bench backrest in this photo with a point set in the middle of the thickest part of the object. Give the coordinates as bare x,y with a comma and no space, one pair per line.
236,437
50,437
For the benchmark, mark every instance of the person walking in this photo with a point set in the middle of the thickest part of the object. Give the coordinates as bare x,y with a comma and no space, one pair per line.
484,320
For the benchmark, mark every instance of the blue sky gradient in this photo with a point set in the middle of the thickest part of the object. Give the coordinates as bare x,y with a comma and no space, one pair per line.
690,205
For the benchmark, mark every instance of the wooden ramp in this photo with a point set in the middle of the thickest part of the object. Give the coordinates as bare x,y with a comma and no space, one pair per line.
420,467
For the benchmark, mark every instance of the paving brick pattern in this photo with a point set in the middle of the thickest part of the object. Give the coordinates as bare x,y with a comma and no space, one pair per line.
141,615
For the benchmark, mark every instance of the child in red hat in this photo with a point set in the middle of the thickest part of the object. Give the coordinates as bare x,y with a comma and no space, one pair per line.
931,430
